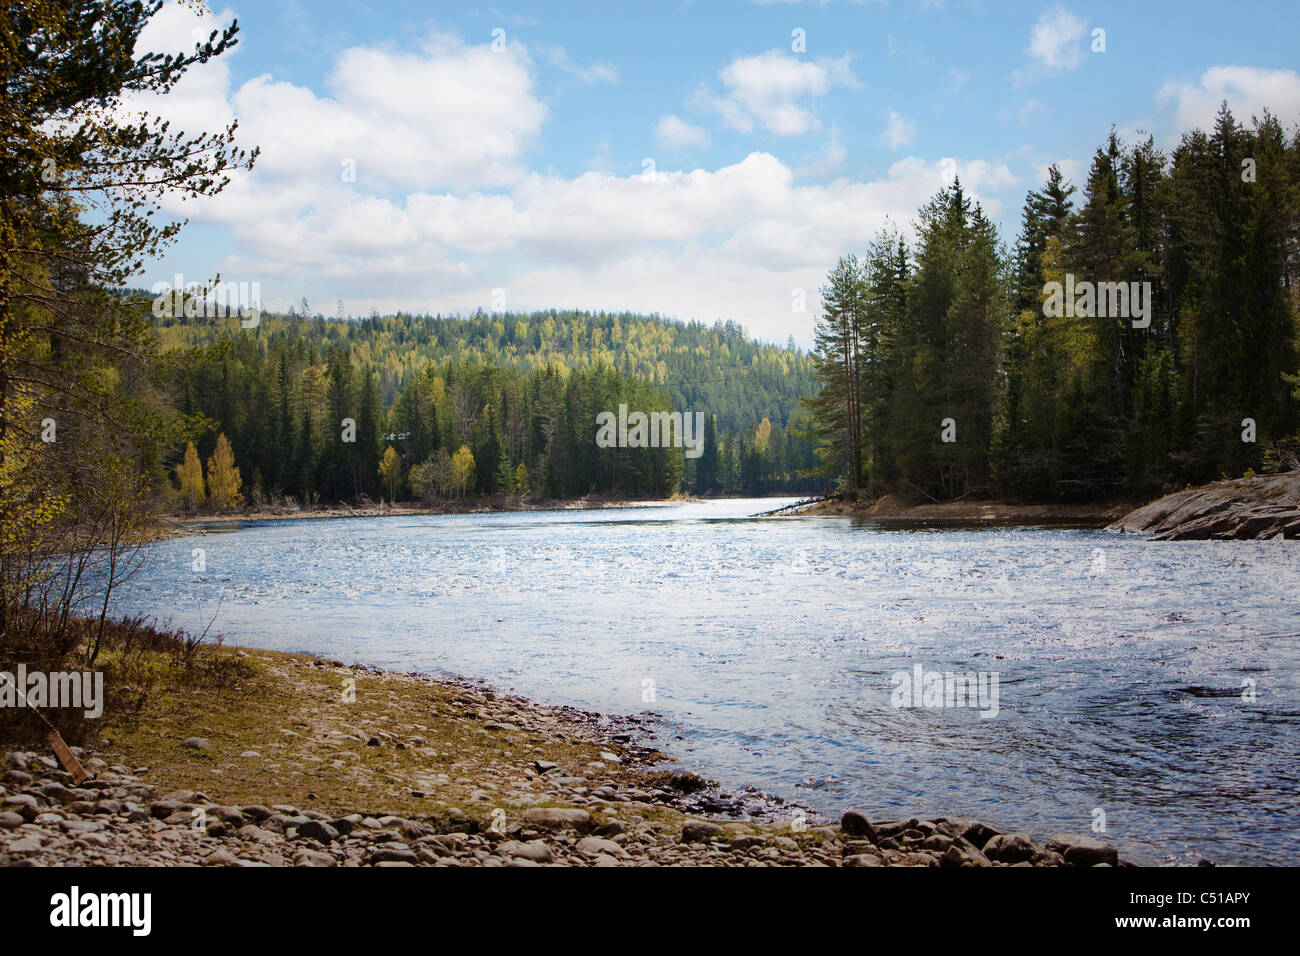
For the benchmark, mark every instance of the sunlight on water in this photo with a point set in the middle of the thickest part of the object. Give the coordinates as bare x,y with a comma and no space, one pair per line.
770,645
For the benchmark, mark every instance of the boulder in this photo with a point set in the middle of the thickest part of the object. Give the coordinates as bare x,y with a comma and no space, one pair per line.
595,846
534,850
855,824
1011,848
558,818
699,831
318,831
1082,850
961,852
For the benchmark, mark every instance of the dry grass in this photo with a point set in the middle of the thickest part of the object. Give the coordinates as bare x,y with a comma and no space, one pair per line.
286,734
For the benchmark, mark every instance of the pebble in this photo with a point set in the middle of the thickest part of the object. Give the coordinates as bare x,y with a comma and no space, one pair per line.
554,818
534,850
632,814
697,831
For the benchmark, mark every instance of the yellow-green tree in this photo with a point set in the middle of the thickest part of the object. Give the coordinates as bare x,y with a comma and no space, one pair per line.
223,476
521,480
462,469
390,472
190,474
29,511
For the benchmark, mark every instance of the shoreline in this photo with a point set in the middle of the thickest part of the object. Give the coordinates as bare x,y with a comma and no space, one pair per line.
1263,507
422,770
184,523
889,509
892,508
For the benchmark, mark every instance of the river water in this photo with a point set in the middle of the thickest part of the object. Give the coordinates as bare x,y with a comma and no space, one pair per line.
1154,683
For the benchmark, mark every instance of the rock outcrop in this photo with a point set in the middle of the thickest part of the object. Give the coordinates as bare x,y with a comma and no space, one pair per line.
1263,507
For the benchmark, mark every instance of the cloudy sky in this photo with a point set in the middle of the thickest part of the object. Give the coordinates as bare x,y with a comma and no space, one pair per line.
700,160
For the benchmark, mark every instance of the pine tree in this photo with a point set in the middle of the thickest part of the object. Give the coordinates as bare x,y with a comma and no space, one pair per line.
1021,461
1094,368
338,458
836,408
884,346
505,478
284,430
71,345
948,359
706,468
368,420
304,459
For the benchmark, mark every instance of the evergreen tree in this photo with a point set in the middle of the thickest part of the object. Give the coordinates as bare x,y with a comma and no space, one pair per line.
836,411
284,430
706,468
505,478
369,416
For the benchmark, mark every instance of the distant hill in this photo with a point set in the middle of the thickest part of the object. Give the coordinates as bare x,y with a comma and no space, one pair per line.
715,367
499,384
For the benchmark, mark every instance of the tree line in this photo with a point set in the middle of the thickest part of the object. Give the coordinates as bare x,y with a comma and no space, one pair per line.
951,366
339,409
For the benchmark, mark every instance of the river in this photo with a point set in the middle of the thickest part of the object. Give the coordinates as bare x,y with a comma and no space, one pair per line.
1150,687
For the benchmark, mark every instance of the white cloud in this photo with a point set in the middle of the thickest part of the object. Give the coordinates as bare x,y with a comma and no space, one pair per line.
765,90
674,133
558,57
445,115
199,102
898,132
443,209
1247,89
1054,39
827,161
641,242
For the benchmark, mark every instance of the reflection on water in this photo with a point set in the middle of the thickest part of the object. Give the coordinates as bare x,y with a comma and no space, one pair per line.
1125,665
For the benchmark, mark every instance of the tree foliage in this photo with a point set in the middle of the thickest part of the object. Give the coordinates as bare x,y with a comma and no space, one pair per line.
1083,403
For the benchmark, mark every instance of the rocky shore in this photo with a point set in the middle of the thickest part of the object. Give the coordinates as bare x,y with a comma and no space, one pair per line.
437,773
1262,507
891,509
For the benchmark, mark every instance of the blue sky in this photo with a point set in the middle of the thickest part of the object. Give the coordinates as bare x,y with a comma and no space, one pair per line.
686,159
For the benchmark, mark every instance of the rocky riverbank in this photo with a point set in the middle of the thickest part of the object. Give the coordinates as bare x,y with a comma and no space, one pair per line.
326,765
1267,506
895,509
